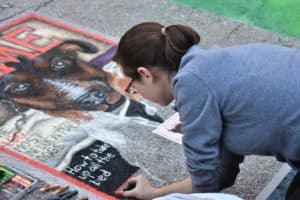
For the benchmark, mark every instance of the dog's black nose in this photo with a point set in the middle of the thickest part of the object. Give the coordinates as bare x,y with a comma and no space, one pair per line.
91,98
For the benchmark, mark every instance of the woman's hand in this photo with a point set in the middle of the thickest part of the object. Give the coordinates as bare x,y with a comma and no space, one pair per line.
137,187
176,128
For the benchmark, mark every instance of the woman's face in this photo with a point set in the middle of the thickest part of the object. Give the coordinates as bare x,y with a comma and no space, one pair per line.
153,84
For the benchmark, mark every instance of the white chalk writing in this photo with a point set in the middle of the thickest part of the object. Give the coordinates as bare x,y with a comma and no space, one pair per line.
41,147
92,163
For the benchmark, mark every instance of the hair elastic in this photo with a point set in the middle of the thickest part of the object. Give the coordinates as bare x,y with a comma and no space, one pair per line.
163,31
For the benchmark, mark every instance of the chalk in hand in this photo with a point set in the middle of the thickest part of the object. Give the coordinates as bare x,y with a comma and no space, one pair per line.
130,186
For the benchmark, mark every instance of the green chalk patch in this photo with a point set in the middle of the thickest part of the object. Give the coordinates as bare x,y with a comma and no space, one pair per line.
276,15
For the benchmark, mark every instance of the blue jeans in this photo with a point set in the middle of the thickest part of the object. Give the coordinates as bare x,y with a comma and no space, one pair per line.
293,192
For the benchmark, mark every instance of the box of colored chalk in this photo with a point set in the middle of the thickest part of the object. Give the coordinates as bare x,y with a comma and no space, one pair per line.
13,182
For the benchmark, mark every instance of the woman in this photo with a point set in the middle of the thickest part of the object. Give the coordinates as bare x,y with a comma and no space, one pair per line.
232,102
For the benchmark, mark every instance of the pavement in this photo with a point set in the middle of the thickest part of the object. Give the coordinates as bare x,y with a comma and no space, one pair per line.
112,18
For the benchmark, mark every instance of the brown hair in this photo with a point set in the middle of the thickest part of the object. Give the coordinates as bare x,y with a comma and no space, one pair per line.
151,44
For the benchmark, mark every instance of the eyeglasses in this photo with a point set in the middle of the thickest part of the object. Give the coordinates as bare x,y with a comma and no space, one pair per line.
128,88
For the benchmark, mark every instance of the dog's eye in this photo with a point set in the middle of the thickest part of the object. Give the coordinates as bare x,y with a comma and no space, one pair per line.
61,64
20,87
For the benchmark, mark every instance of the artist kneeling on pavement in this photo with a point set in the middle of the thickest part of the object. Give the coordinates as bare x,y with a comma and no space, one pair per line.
233,101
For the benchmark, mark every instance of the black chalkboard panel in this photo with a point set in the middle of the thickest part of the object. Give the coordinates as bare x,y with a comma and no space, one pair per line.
101,166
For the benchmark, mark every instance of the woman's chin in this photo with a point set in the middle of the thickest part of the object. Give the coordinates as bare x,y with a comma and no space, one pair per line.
160,101
165,103
162,104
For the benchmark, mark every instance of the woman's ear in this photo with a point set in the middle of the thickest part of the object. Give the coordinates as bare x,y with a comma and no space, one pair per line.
145,73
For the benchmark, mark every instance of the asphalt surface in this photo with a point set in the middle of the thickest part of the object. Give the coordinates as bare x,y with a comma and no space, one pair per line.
112,18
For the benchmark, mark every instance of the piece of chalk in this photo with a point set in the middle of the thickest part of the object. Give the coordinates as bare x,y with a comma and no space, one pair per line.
84,198
63,188
50,187
130,186
55,198
23,179
7,171
66,193
70,194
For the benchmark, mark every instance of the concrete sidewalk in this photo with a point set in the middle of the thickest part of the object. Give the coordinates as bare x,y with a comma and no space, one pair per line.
112,18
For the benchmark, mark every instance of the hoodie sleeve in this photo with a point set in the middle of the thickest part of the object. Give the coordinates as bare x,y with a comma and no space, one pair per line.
201,126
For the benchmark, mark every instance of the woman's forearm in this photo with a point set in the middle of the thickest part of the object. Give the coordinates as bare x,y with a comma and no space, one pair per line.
183,186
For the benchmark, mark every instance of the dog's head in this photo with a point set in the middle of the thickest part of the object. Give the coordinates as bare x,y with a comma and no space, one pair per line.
63,62
59,79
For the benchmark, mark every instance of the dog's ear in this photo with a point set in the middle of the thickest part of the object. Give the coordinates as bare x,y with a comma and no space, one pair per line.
78,45
24,64
102,59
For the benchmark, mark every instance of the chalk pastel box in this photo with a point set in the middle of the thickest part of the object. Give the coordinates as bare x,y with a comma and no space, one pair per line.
14,183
